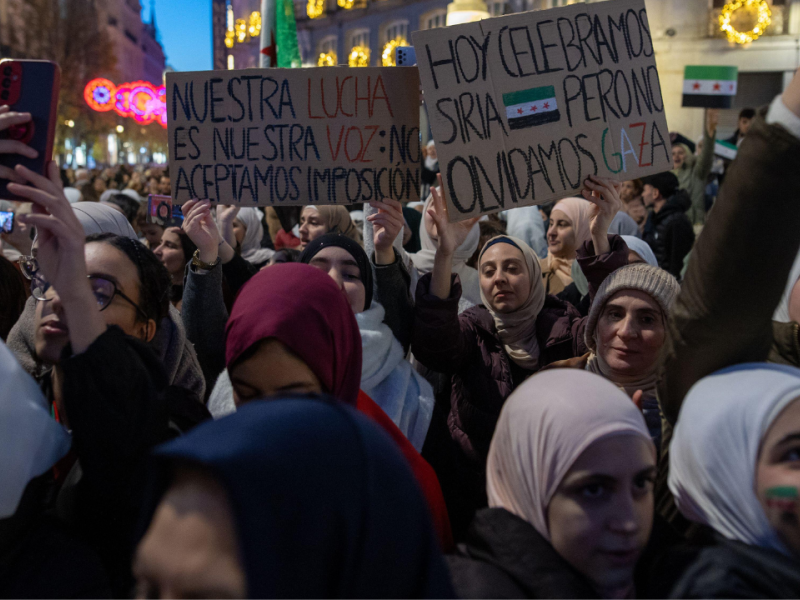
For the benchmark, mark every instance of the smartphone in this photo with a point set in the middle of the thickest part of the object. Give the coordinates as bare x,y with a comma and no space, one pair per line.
405,56
6,221
30,86
161,211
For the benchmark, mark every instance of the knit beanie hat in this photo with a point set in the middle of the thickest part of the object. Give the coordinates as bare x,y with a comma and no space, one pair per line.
653,281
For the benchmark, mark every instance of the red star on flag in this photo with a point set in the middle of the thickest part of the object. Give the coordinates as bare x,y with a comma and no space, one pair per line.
519,110
730,87
533,108
271,51
547,105
716,87
696,85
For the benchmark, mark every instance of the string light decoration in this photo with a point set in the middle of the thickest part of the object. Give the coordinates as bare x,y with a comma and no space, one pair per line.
346,4
254,25
241,30
139,100
739,9
388,57
315,8
327,59
359,57
229,39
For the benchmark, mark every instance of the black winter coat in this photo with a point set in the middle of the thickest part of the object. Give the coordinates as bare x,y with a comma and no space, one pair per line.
505,557
670,234
728,569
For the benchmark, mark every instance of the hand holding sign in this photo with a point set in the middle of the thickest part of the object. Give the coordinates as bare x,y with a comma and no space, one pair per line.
199,225
386,226
449,236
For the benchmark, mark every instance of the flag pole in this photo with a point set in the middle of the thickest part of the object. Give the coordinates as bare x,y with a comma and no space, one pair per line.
269,55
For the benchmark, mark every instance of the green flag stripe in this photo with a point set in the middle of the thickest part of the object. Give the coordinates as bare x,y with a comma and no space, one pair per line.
727,144
286,35
531,95
706,72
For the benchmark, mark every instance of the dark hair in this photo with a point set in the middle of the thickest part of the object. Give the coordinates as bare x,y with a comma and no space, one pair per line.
13,294
154,281
638,186
747,113
666,183
129,206
286,255
489,229
187,245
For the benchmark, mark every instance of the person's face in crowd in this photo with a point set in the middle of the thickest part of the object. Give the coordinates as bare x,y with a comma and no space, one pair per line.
561,240
311,226
778,466
504,278
744,125
650,195
152,233
271,369
238,231
678,156
343,269
170,252
602,512
636,210
630,333
628,191
191,549
100,185
164,186
102,260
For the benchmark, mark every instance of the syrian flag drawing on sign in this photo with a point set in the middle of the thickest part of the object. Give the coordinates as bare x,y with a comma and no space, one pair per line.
528,108
709,87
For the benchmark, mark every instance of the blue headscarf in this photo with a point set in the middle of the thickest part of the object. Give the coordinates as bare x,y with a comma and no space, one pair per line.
324,504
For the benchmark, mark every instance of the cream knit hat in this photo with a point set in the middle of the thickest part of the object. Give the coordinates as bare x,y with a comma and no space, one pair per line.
653,281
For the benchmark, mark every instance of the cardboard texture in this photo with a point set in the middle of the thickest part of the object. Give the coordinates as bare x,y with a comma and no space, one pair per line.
524,107
264,137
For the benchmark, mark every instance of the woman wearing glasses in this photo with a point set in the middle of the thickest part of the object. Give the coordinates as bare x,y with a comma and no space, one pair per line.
99,302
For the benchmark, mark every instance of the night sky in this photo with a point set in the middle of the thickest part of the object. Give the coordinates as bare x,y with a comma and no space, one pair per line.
185,28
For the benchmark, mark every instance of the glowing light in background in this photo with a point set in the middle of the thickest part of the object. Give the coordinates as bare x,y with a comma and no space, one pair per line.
139,100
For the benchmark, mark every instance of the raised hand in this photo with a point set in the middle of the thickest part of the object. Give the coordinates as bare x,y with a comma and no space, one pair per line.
712,119
226,215
386,226
199,225
450,235
604,194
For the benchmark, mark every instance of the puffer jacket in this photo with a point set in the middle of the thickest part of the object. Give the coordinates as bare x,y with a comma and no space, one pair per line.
467,347
670,234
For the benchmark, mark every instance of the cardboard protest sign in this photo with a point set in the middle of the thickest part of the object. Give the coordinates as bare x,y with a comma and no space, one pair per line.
263,137
524,107
709,87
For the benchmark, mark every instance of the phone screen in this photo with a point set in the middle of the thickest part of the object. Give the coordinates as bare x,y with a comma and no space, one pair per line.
6,221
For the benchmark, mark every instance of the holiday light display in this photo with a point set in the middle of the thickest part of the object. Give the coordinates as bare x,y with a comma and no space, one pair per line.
760,14
327,59
359,57
315,8
139,100
388,58
346,4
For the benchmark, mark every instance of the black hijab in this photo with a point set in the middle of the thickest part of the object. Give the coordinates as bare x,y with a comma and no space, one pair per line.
353,248
324,503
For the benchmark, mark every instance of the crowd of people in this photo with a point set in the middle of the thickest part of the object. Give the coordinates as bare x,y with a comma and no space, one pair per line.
578,400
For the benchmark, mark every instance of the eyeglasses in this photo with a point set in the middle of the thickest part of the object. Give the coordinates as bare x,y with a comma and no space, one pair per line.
103,289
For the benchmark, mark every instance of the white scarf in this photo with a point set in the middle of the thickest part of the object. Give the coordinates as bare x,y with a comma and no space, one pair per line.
403,394
252,251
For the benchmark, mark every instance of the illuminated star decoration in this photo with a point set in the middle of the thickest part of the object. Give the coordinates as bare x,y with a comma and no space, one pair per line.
271,51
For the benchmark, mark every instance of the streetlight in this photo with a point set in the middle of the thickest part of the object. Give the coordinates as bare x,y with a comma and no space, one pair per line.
120,129
69,123
466,11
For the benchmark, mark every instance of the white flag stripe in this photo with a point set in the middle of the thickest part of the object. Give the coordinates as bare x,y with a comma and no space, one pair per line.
709,87
531,108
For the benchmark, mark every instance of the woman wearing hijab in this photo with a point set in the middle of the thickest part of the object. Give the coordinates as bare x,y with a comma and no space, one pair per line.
98,305
733,468
246,508
568,230
639,251
570,486
39,558
249,232
319,220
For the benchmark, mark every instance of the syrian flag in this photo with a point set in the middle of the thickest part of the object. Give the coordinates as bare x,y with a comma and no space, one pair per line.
725,149
528,108
709,87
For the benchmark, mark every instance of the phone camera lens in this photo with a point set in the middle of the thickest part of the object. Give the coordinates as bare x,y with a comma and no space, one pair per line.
7,71
6,82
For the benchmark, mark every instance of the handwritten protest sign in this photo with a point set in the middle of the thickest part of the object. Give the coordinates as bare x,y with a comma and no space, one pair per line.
294,136
524,107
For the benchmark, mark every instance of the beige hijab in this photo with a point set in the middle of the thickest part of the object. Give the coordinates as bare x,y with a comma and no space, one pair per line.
517,330
338,221
579,212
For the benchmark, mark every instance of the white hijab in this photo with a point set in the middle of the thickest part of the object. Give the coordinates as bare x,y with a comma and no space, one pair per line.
252,251
544,427
782,312
423,260
30,439
517,330
716,444
641,248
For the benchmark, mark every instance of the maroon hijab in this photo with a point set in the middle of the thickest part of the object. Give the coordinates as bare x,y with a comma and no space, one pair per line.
301,307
